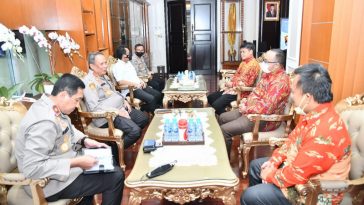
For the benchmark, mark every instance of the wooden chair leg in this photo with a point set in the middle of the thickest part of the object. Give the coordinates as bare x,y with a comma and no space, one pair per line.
120,144
245,157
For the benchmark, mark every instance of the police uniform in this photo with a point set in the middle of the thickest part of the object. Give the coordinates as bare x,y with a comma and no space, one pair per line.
100,95
43,148
142,70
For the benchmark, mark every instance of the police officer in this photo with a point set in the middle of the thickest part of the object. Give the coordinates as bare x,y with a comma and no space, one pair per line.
100,95
47,145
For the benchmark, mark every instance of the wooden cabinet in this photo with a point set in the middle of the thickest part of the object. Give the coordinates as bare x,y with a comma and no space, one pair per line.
232,15
129,23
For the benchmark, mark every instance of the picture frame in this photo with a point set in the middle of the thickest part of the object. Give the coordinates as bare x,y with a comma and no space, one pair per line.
271,11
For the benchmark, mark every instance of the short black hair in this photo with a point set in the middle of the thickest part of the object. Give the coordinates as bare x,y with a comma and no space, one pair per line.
248,45
137,45
92,56
120,51
280,57
315,80
69,83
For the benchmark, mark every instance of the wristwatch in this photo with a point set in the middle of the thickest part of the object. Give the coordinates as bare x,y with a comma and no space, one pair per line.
82,141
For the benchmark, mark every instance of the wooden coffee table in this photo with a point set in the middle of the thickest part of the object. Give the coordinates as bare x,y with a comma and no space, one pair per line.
185,183
185,93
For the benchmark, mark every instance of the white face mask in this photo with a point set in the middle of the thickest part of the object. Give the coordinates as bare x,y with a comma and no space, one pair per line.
264,66
299,110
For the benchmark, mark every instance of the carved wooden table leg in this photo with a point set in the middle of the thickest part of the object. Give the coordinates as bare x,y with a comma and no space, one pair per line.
204,101
134,198
166,98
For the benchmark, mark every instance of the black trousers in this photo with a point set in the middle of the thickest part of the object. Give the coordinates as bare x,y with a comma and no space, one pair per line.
131,127
258,193
219,101
110,185
151,97
156,83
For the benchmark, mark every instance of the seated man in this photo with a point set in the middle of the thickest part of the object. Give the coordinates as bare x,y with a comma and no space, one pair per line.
245,76
100,95
318,148
139,64
270,96
46,146
125,74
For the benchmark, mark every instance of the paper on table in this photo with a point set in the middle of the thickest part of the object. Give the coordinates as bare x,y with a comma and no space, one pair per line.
104,157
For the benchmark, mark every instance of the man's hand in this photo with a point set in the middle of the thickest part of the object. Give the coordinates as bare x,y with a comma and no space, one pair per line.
90,143
84,162
127,106
242,106
266,169
124,113
143,84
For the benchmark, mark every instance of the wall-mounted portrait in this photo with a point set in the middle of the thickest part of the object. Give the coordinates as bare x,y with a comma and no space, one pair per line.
271,11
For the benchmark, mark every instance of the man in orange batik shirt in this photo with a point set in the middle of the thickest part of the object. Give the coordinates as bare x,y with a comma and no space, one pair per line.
270,96
318,148
245,76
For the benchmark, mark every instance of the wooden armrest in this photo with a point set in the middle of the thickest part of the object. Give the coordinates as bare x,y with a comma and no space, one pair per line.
269,118
244,88
274,141
98,114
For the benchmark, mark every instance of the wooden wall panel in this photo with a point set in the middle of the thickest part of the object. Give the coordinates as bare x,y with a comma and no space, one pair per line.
320,42
341,50
323,11
11,14
347,54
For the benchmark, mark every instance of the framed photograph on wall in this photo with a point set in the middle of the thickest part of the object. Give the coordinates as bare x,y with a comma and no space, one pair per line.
271,11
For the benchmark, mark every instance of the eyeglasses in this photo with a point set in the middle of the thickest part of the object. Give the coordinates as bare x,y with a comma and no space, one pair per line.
266,61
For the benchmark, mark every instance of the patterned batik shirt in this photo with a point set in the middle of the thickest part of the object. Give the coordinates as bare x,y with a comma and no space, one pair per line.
318,148
270,96
140,65
245,76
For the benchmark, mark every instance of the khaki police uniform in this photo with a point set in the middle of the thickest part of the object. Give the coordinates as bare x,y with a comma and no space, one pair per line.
100,95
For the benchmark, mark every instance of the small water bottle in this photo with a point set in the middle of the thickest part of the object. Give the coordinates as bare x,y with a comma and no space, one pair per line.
199,129
191,130
175,130
166,129
190,75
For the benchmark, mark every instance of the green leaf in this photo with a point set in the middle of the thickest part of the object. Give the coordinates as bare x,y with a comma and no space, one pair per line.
9,92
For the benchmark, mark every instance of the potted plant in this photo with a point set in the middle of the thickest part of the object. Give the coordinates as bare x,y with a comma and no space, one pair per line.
43,82
9,92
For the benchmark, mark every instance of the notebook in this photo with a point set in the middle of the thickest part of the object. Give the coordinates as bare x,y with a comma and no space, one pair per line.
104,157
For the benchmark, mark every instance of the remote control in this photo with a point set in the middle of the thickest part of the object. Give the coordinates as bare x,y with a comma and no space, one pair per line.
160,170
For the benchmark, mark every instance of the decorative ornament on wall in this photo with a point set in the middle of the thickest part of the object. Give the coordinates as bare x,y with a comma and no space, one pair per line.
232,36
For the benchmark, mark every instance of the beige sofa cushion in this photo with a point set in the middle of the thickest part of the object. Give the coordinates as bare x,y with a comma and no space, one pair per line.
17,196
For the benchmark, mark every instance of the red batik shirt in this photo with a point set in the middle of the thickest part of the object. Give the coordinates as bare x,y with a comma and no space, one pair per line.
270,96
318,148
245,76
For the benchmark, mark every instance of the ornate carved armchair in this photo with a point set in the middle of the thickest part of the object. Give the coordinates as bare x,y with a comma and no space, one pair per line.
109,134
11,182
257,138
135,102
351,111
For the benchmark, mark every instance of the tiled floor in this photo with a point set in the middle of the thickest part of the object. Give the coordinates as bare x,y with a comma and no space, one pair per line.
235,162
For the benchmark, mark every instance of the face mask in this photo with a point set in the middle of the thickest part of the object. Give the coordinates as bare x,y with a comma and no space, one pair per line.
264,66
139,54
300,110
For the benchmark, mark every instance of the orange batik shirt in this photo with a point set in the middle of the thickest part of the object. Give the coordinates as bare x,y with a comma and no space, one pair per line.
318,148
270,96
245,76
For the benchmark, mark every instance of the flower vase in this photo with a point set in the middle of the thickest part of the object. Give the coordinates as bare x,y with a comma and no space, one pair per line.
48,88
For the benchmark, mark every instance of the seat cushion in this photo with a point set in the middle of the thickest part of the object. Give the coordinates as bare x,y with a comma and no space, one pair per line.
354,121
264,136
104,132
18,196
